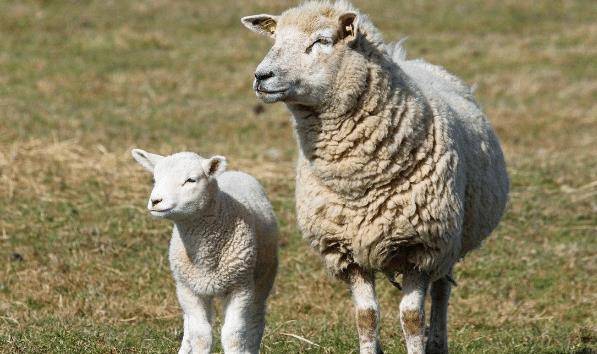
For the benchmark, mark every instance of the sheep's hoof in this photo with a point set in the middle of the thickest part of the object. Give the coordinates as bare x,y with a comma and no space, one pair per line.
436,348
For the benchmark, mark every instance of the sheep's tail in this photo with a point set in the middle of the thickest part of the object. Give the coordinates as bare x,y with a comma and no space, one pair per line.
392,279
397,51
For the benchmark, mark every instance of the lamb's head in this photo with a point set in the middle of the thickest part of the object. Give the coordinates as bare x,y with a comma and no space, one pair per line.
311,44
184,183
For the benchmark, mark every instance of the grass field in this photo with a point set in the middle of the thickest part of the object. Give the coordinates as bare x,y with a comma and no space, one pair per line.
83,268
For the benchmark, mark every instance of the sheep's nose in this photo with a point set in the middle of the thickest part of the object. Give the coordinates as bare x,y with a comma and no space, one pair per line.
155,202
261,75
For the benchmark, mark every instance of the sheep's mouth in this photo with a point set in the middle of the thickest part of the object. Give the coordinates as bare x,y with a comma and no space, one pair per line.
270,92
271,96
161,211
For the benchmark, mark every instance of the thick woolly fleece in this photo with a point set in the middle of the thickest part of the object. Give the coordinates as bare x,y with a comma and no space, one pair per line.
398,166
233,241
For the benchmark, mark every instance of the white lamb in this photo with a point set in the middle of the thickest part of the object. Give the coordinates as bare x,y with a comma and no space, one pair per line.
398,169
224,244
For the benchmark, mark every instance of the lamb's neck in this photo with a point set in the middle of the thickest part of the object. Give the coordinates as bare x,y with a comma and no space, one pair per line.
207,233
353,146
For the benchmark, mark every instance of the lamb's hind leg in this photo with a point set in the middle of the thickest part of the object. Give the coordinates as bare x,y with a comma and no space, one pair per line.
263,288
362,285
437,341
198,312
242,330
412,310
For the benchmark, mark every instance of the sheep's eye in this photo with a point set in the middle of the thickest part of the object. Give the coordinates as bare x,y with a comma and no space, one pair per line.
190,180
323,40
320,40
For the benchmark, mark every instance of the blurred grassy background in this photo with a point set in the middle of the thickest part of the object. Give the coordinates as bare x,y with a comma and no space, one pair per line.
83,268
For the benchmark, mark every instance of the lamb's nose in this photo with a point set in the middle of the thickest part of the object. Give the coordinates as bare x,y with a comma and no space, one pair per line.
260,75
155,202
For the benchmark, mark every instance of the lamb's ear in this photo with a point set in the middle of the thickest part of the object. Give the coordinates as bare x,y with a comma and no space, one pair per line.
348,23
262,24
214,166
146,159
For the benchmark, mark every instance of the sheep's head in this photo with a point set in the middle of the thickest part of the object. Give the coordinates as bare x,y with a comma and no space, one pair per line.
184,183
310,44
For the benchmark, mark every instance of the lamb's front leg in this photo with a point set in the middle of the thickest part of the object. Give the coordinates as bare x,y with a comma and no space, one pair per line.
198,313
362,285
242,330
412,310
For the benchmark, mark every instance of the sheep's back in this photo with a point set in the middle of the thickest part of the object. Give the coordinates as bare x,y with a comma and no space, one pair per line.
475,142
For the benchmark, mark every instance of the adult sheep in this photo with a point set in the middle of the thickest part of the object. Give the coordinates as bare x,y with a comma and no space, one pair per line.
398,170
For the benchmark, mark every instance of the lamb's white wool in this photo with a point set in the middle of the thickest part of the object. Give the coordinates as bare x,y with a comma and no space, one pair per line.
398,170
224,244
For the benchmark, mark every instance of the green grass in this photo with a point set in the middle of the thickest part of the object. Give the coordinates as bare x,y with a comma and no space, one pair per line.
83,82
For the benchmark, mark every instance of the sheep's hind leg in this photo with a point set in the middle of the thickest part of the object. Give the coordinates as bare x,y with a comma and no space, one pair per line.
437,341
198,313
362,285
412,310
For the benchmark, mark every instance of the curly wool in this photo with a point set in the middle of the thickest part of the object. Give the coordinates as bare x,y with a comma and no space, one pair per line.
234,241
398,167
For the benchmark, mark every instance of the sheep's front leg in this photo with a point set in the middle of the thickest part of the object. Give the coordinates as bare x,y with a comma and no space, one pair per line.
198,312
437,341
362,285
412,310
243,323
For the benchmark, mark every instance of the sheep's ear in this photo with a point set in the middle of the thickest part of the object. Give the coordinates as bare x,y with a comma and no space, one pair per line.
214,166
262,24
146,159
348,23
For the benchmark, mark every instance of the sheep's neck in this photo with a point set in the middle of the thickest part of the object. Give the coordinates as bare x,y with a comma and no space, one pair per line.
376,139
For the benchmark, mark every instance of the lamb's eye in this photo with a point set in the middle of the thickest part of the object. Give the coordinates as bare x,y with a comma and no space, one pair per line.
190,180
